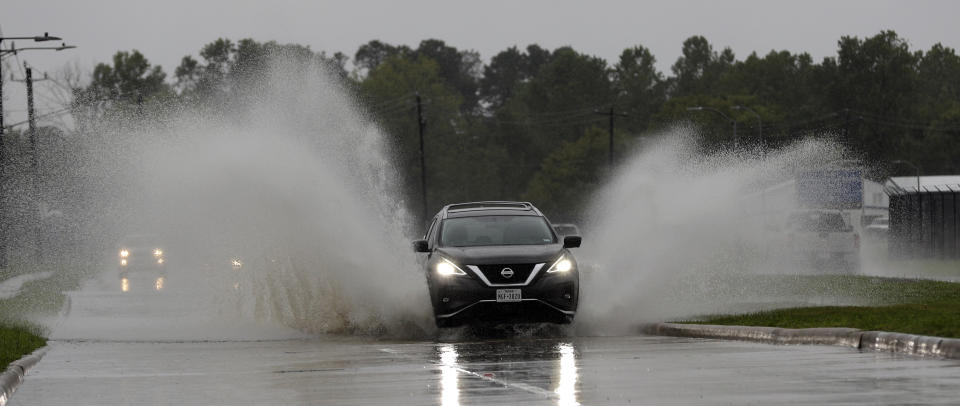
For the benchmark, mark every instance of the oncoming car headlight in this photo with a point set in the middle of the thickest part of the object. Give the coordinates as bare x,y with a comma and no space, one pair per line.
563,264
446,268
158,253
124,253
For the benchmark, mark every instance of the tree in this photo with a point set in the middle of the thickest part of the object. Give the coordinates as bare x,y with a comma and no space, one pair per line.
507,71
877,80
570,173
130,76
370,55
231,73
459,69
398,78
699,69
638,87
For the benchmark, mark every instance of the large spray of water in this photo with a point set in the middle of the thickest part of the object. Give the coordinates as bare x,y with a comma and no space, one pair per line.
676,229
296,184
301,187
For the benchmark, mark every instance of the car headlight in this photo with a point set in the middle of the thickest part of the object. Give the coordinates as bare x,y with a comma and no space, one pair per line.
123,262
446,268
124,253
563,264
158,253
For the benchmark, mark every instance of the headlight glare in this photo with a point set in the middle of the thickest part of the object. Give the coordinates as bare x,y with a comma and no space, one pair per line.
562,265
124,253
158,253
447,268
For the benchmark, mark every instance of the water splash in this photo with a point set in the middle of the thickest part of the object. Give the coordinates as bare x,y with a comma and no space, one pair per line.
676,228
296,183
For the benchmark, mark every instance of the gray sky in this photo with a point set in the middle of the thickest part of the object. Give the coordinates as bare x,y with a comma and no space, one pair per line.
165,31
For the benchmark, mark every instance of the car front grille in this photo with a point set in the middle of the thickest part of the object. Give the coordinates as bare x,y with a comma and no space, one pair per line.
494,273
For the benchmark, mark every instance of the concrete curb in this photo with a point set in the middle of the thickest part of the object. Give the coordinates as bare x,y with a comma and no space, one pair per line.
844,337
13,376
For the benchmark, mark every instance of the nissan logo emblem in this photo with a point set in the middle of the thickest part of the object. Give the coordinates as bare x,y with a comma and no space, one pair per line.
506,273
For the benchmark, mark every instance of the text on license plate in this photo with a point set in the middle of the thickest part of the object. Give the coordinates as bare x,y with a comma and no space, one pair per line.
508,295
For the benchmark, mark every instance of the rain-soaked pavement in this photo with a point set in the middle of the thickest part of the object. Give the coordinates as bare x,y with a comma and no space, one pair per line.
563,371
105,353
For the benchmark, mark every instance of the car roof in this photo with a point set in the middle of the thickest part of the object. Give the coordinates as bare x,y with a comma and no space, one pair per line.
489,208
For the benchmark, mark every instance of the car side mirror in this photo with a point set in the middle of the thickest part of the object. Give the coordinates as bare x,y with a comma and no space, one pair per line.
571,241
421,246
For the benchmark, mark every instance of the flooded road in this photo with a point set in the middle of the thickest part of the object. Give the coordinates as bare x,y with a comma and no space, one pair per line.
562,371
164,348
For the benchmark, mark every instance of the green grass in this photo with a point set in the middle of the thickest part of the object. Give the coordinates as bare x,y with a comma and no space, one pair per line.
19,336
17,341
901,305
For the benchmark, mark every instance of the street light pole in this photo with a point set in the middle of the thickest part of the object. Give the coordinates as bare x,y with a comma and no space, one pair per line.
736,140
13,50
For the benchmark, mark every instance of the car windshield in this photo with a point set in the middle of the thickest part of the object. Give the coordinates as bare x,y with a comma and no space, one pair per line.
819,222
495,230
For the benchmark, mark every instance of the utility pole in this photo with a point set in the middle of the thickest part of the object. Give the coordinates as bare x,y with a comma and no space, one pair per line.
423,167
611,114
13,50
34,159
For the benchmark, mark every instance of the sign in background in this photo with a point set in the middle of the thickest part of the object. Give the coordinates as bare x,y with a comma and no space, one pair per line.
830,189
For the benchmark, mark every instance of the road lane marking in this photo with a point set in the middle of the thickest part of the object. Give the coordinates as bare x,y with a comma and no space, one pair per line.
487,377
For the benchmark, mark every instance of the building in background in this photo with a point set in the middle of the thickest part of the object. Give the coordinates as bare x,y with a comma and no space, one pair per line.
924,217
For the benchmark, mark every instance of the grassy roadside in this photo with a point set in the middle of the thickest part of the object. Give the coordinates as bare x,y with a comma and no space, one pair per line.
44,297
17,341
901,305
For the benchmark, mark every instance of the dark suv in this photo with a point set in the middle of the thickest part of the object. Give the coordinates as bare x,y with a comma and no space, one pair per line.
498,262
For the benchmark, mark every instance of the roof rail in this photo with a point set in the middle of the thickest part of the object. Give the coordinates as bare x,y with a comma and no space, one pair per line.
487,205
490,205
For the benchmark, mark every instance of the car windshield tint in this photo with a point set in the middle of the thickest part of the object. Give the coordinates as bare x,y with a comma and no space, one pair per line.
819,222
495,230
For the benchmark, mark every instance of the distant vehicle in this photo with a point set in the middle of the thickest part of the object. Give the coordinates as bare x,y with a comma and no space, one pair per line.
824,238
142,263
878,229
498,262
563,229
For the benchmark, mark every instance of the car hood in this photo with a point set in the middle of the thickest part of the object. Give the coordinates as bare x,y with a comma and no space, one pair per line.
502,254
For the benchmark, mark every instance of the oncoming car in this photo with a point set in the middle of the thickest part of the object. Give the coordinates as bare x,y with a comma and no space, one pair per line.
824,239
142,263
498,262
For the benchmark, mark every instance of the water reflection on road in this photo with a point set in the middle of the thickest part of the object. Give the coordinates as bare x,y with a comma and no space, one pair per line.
541,368
348,370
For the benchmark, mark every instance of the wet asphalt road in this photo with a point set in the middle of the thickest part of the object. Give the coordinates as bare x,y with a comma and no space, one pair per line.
563,371
121,350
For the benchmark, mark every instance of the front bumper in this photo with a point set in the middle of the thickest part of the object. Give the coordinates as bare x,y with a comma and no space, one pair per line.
459,300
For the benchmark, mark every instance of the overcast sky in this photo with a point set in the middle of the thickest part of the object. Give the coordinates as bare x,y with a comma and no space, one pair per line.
165,31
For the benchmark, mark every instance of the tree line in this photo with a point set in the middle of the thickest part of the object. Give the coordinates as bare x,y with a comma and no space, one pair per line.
527,124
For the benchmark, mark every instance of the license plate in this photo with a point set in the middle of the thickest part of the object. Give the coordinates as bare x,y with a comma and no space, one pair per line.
508,295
